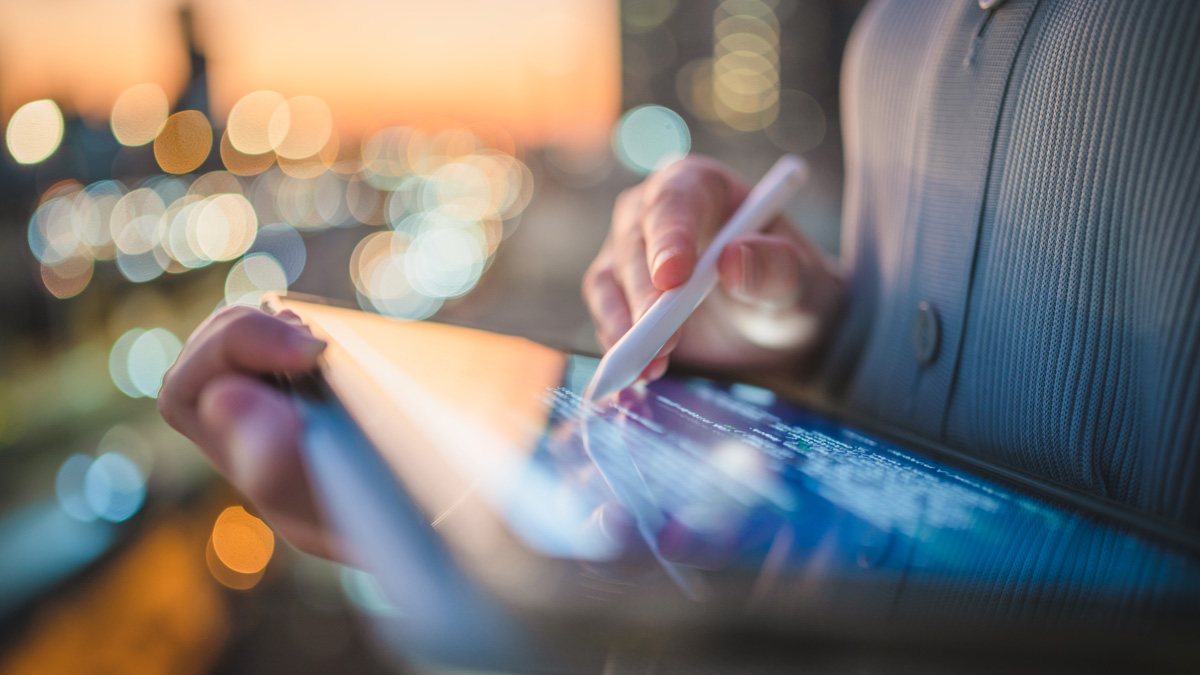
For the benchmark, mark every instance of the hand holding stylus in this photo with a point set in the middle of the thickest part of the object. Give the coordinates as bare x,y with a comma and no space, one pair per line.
246,428
776,298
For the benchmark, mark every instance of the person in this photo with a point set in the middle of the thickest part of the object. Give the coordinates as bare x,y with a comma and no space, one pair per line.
1019,276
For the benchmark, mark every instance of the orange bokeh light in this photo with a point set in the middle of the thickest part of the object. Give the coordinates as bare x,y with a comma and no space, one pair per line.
184,142
240,163
242,542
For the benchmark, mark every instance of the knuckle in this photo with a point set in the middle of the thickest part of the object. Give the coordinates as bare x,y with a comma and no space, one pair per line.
628,197
168,385
166,410
251,324
673,197
672,231
597,274
233,314
627,204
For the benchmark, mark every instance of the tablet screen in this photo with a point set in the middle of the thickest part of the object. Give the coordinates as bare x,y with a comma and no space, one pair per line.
750,479
694,474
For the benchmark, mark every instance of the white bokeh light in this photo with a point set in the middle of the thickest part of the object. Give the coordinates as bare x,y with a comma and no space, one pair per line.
649,137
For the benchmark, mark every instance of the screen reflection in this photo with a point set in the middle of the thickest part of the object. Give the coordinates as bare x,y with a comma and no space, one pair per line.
736,496
741,481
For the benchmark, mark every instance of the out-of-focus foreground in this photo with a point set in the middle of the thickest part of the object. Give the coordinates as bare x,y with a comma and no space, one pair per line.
453,160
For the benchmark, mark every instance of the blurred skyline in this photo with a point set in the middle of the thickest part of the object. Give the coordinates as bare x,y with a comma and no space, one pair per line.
544,71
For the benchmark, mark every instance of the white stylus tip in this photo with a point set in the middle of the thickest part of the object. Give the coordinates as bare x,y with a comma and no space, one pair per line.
606,383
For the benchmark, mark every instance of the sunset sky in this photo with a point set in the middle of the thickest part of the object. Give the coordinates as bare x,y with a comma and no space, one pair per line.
546,70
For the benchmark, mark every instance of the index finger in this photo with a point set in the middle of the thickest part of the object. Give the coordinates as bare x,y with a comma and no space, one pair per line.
237,340
683,205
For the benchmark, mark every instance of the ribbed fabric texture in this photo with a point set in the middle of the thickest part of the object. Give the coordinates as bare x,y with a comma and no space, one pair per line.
1058,239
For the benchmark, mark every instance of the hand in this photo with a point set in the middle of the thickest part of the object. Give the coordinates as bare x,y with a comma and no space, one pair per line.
777,300
248,429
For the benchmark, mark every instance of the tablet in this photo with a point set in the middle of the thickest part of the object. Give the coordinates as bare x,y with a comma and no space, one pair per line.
514,524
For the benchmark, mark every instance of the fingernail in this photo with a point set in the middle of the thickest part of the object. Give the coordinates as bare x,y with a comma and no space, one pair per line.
751,272
661,259
309,345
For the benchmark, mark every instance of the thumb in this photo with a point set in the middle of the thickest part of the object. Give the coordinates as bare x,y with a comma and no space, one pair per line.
762,269
256,430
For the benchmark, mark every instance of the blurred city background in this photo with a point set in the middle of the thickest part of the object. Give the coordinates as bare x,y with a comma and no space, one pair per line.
454,160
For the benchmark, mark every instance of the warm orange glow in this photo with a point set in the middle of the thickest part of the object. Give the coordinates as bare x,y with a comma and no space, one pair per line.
184,143
309,124
416,389
68,278
242,542
242,164
139,113
542,69
215,183
251,120
85,54
226,576
151,609
314,165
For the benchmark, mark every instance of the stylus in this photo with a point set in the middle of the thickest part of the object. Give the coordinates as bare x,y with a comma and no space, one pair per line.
626,360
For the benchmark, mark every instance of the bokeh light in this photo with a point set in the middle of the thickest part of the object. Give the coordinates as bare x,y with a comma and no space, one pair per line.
239,549
801,124
378,269
118,362
225,227
143,267
150,355
216,183
242,542
646,15
745,64
34,131
243,164
329,200
300,127
140,358
450,195
52,235
139,113
93,216
68,488
649,137
251,119
364,202
128,442
114,487
694,86
283,243
67,278
184,142
136,222
252,276
445,262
